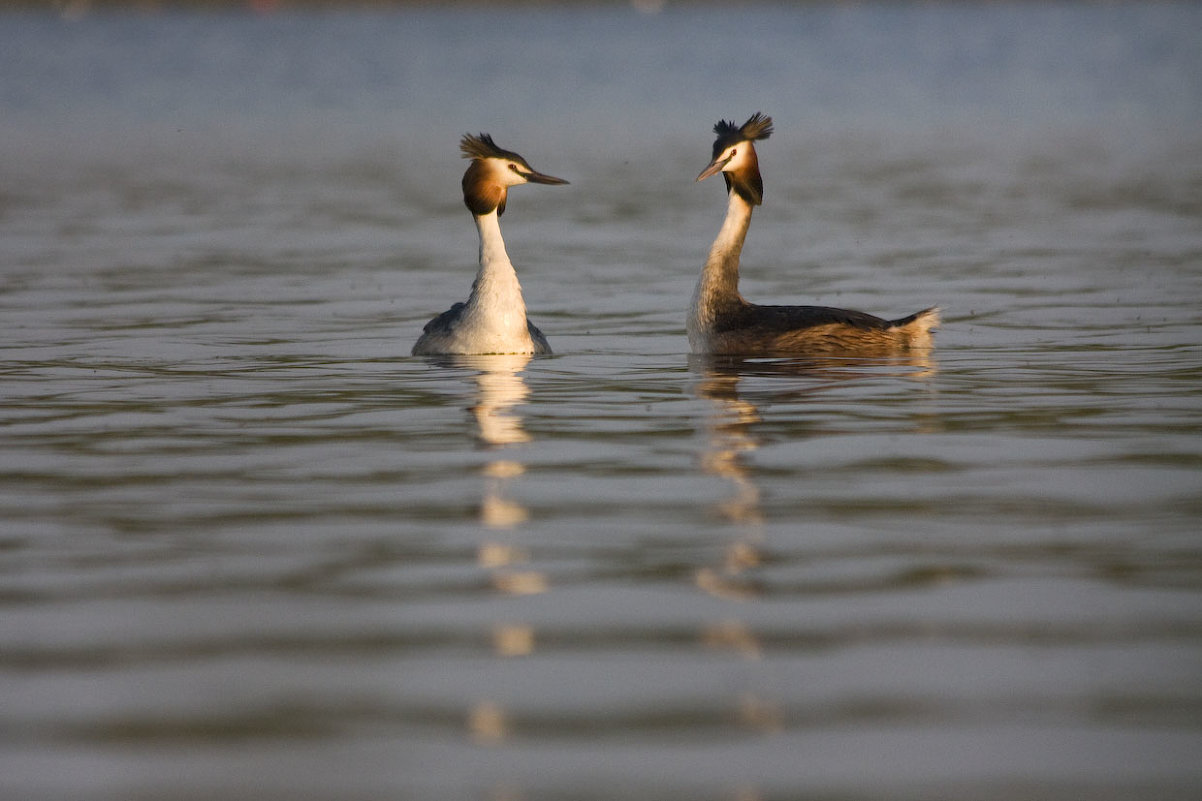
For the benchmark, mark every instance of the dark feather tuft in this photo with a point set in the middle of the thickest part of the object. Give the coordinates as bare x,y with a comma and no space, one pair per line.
725,128
758,126
483,147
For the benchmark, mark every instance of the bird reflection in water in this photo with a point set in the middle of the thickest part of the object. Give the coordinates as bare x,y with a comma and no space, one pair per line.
500,390
729,440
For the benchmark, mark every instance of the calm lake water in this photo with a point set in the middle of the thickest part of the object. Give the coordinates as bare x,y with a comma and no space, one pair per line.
249,548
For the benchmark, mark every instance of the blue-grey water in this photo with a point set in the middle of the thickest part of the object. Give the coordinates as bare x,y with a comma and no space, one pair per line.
250,548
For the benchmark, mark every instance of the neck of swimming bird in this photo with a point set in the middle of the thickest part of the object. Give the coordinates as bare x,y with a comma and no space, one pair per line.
496,288
719,284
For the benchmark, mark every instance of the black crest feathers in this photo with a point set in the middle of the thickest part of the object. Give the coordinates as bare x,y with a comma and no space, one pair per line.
483,147
758,126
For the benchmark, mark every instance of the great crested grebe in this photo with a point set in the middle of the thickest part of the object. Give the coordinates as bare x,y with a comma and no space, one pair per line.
722,322
493,320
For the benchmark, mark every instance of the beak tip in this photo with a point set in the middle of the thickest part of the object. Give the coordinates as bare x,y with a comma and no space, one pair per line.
540,178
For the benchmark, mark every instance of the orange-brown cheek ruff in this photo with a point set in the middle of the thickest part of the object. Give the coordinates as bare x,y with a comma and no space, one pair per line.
482,194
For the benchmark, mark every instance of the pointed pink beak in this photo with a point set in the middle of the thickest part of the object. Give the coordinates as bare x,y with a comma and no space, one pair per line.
714,168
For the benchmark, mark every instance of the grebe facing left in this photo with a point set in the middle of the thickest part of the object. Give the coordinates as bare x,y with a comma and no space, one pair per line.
722,322
493,319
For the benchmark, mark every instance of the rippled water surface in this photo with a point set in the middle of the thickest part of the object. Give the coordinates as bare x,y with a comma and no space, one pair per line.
252,549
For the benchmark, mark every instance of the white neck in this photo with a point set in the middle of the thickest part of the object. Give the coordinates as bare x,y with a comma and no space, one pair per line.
496,307
718,287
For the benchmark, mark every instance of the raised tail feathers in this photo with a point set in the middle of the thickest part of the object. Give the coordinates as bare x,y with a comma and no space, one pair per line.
919,326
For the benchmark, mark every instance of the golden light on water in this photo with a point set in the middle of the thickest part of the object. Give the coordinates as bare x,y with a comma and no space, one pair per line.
496,554
487,724
513,640
732,635
529,582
